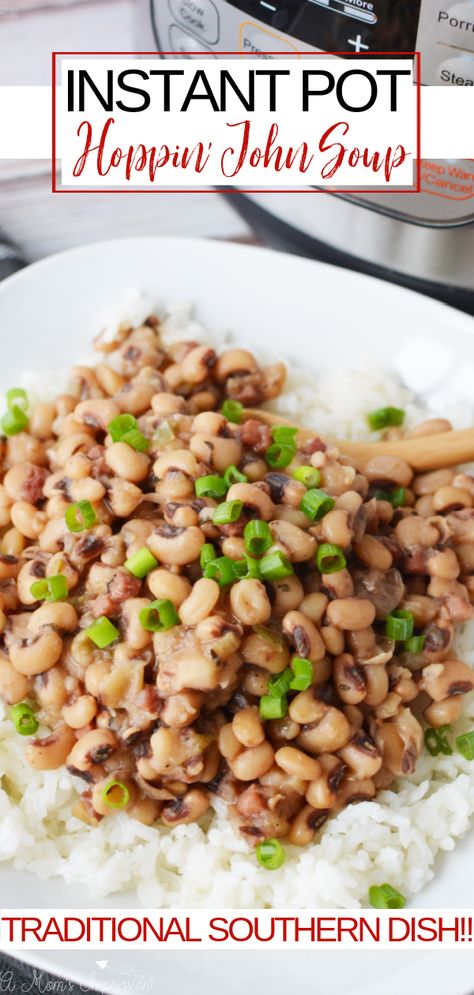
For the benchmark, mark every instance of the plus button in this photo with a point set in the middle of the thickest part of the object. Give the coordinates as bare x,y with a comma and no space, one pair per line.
357,43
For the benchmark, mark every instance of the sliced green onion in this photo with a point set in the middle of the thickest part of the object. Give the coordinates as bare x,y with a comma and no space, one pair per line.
102,632
280,684
303,673
232,410
159,616
248,567
382,496
399,625
272,707
163,435
385,897
210,486
329,558
24,719
227,512
307,475
316,504
274,566
436,742
398,497
270,635
13,421
384,417
80,516
222,570
465,745
50,589
257,537
207,554
279,455
120,425
234,476
141,563
17,398
270,854
284,435
115,794
414,644
136,440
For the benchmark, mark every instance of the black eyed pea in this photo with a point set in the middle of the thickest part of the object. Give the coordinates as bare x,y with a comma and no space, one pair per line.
53,536
253,497
9,567
267,651
197,364
135,396
429,483
297,545
80,712
41,420
12,543
304,636
164,404
177,459
338,585
30,572
189,808
108,379
14,687
176,546
133,632
27,519
361,756
288,594
377,684
252,763
5,505
127,463
59,615
314,605
356,790
447,679
123,497
200,602
305,707
327,735
234,361
444,712
209,423
254,681
59,564
249,602
165,584
68,445
305,825
373,553
297,763
50,688
114,794
389,468
51,752
182,709
282,731
349,679
247,727
229,745
216,450
96,413
351,613
145,810
38,654
234,547
333,639
322,792
92,748
336,528
400,741
444,564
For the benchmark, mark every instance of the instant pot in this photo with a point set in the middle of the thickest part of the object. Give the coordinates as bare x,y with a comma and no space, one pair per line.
423,240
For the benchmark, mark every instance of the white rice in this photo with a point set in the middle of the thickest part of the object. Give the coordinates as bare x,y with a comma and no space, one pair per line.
395,838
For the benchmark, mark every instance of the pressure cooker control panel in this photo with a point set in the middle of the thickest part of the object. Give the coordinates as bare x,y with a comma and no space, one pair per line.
442,30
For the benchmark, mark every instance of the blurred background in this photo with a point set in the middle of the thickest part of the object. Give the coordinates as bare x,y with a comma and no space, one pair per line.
40,223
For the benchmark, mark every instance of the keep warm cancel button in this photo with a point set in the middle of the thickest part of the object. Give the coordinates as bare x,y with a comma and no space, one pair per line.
447,179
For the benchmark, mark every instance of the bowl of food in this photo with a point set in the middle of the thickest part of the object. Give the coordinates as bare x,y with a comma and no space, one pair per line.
236,584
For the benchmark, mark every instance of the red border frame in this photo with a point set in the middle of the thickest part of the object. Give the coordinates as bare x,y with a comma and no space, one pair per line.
244,190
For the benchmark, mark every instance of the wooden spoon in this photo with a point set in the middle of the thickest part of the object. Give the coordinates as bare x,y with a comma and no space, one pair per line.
424,452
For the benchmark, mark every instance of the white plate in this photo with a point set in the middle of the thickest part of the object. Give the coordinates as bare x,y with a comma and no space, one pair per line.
315,314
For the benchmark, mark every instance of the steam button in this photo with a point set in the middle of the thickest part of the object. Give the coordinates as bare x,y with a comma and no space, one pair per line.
199,16
456,71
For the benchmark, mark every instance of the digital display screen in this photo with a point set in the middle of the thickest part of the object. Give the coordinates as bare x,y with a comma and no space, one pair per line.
341,25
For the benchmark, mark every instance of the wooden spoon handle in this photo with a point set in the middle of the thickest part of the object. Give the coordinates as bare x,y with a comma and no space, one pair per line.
426,452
